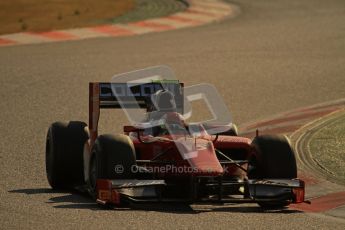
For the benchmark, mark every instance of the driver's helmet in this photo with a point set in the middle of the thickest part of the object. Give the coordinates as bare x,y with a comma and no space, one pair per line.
163,100
164,111
164,114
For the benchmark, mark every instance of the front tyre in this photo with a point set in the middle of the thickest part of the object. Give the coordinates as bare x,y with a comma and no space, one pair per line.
64,154
112,157
275,159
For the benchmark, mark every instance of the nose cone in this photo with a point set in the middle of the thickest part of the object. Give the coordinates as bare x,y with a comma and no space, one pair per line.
200,155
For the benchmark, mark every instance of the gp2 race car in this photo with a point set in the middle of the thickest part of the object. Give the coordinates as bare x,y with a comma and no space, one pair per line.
170,162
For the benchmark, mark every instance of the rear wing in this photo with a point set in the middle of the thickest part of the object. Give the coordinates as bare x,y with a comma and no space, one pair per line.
106,95
134,95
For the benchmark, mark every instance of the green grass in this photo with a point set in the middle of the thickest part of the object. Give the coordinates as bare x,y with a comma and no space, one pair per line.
327,147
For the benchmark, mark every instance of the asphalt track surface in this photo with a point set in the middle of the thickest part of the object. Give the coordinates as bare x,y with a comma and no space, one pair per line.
275,56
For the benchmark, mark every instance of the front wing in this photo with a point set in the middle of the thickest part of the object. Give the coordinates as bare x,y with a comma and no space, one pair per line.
114,192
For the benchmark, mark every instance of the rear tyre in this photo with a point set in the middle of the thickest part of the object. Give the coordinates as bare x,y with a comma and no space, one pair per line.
64,154
112,157
275,159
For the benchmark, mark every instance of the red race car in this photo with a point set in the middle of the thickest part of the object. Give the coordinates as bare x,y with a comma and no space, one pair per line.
169,160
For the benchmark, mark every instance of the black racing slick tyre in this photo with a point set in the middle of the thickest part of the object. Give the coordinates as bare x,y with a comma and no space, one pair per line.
275,160
112,157
275,157
64,154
